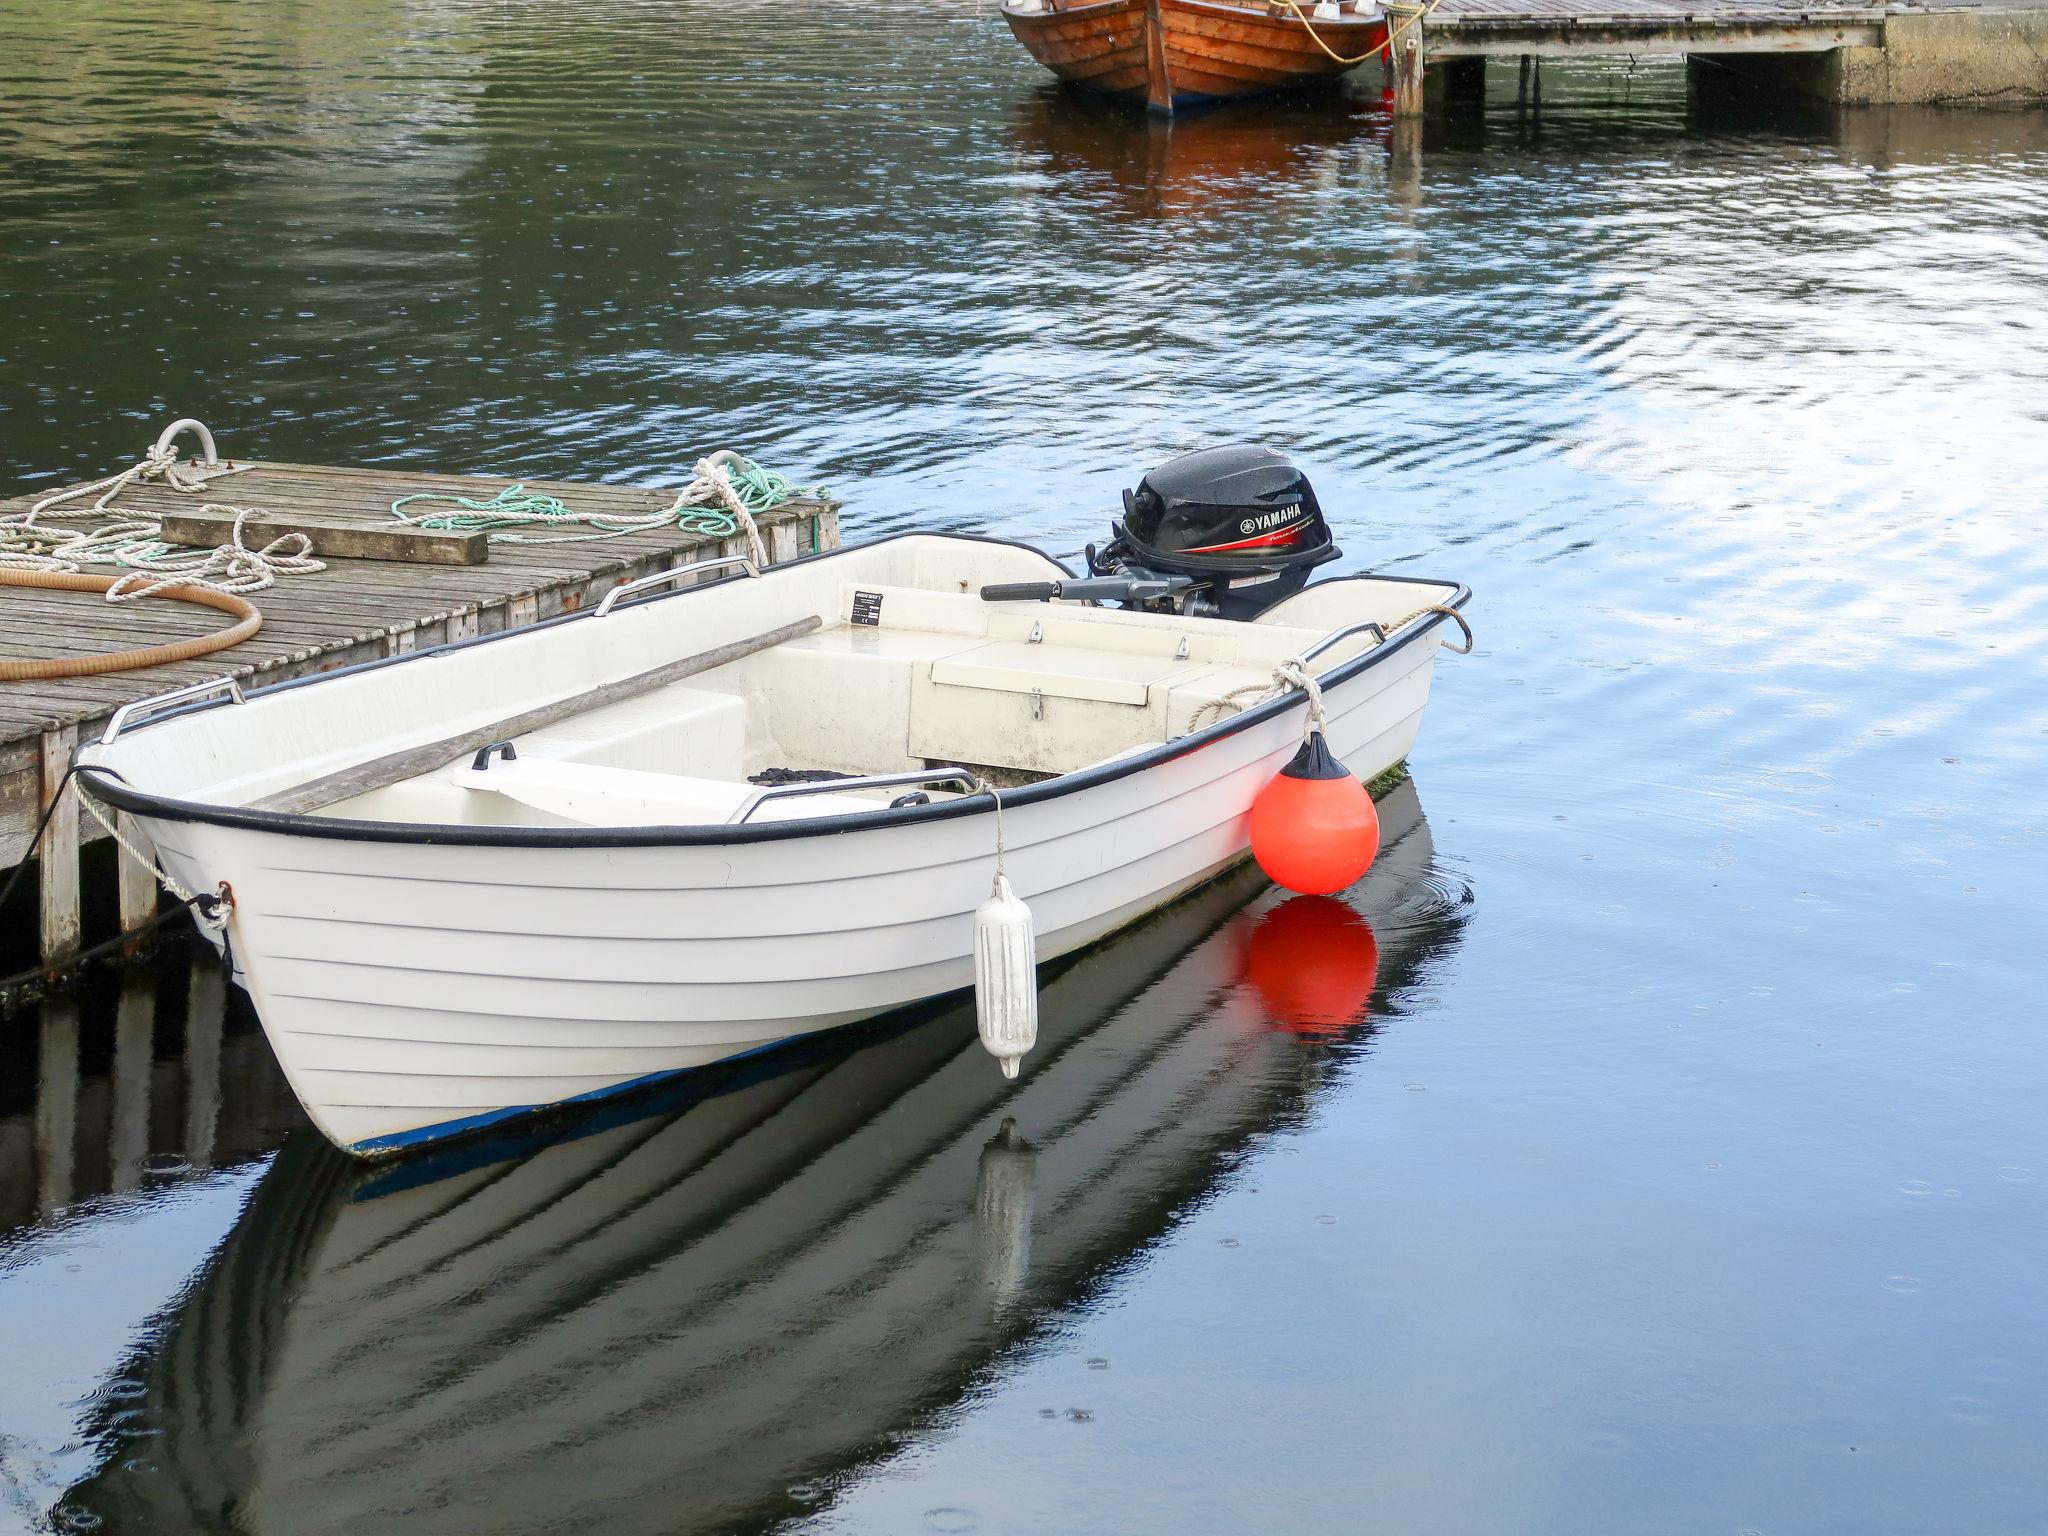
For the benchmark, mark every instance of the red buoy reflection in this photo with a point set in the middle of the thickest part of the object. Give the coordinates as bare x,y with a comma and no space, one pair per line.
1314,963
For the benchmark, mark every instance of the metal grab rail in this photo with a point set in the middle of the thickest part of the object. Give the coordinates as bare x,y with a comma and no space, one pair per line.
1379,631
120,721
659,578
956,776
1379,635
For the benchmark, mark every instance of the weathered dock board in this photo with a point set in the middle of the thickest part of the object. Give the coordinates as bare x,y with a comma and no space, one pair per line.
354,611
1553,28
1892,52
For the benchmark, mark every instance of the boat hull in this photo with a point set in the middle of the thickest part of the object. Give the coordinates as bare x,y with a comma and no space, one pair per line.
414,991
725,1297
1181,53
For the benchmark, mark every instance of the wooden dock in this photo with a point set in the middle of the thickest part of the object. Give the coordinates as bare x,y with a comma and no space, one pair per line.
1897,51
1466,29
354,611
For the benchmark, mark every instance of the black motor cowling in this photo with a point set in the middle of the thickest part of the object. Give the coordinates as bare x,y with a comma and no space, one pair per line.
1242,521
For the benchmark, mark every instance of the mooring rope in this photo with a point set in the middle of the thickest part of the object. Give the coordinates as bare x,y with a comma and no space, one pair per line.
1385,44
1293,673
159,462
209,909
136,542
729,492
29,544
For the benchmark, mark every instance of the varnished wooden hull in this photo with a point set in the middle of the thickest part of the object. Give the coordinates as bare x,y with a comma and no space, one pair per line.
1177,53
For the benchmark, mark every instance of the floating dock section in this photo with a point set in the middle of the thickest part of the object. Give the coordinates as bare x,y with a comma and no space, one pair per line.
358,609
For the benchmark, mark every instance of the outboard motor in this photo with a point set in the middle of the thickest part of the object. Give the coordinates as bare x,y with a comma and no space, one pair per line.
1219,533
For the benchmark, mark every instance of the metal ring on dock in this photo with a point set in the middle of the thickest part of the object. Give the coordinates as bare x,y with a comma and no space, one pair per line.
248,621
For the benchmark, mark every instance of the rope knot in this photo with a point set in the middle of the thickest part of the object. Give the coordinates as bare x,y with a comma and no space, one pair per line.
1294,673
210,909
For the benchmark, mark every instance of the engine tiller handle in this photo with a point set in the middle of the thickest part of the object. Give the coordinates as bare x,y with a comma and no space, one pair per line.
1021,592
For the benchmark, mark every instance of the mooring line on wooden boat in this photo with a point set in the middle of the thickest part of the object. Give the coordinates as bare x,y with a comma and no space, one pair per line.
1385,44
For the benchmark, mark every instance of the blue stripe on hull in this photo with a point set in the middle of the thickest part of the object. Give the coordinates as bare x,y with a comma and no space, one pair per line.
399,1141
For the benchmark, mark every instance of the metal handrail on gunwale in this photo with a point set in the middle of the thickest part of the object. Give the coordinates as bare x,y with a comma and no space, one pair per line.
126,797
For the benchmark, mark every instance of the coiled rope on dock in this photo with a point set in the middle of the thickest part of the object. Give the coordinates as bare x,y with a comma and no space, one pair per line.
29,541
728,493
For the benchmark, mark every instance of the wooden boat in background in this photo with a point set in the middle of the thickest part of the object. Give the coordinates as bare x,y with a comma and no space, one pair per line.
1181,53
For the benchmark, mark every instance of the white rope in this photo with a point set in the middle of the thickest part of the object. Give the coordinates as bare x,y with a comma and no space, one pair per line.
215,919
516,508
1294,673
713,478
160,462
1291,673
983,786
27,542
232,567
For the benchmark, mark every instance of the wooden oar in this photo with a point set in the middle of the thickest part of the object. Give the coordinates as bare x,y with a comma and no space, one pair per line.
382,772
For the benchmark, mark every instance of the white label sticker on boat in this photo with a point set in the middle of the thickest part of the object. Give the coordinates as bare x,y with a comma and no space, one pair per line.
867,607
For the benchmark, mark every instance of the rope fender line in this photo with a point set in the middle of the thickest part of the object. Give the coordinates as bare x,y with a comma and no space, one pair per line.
1293,673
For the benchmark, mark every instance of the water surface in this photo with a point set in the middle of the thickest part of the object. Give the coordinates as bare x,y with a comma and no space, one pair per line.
1684,1171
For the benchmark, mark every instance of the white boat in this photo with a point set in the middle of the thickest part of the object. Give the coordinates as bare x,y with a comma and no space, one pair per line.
472,882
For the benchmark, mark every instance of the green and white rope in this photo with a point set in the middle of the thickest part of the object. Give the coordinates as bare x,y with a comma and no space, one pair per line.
729,492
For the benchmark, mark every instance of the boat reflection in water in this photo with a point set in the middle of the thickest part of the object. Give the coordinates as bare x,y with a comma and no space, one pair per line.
700,1311
1233,156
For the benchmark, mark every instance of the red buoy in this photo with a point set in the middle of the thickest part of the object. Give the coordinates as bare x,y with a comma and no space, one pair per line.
1314,962
1314,828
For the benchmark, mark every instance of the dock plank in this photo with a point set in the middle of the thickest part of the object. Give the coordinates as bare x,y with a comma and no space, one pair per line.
1685,20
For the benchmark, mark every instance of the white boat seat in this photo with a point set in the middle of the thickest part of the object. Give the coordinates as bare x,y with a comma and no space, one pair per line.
596,796
875,610
674,730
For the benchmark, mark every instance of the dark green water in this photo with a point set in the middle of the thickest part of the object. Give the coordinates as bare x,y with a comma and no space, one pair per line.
1686,1171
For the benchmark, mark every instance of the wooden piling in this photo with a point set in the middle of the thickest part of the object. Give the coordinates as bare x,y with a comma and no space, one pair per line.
135,882
128,1118
206,1000
57,871
56,1115
1404,19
